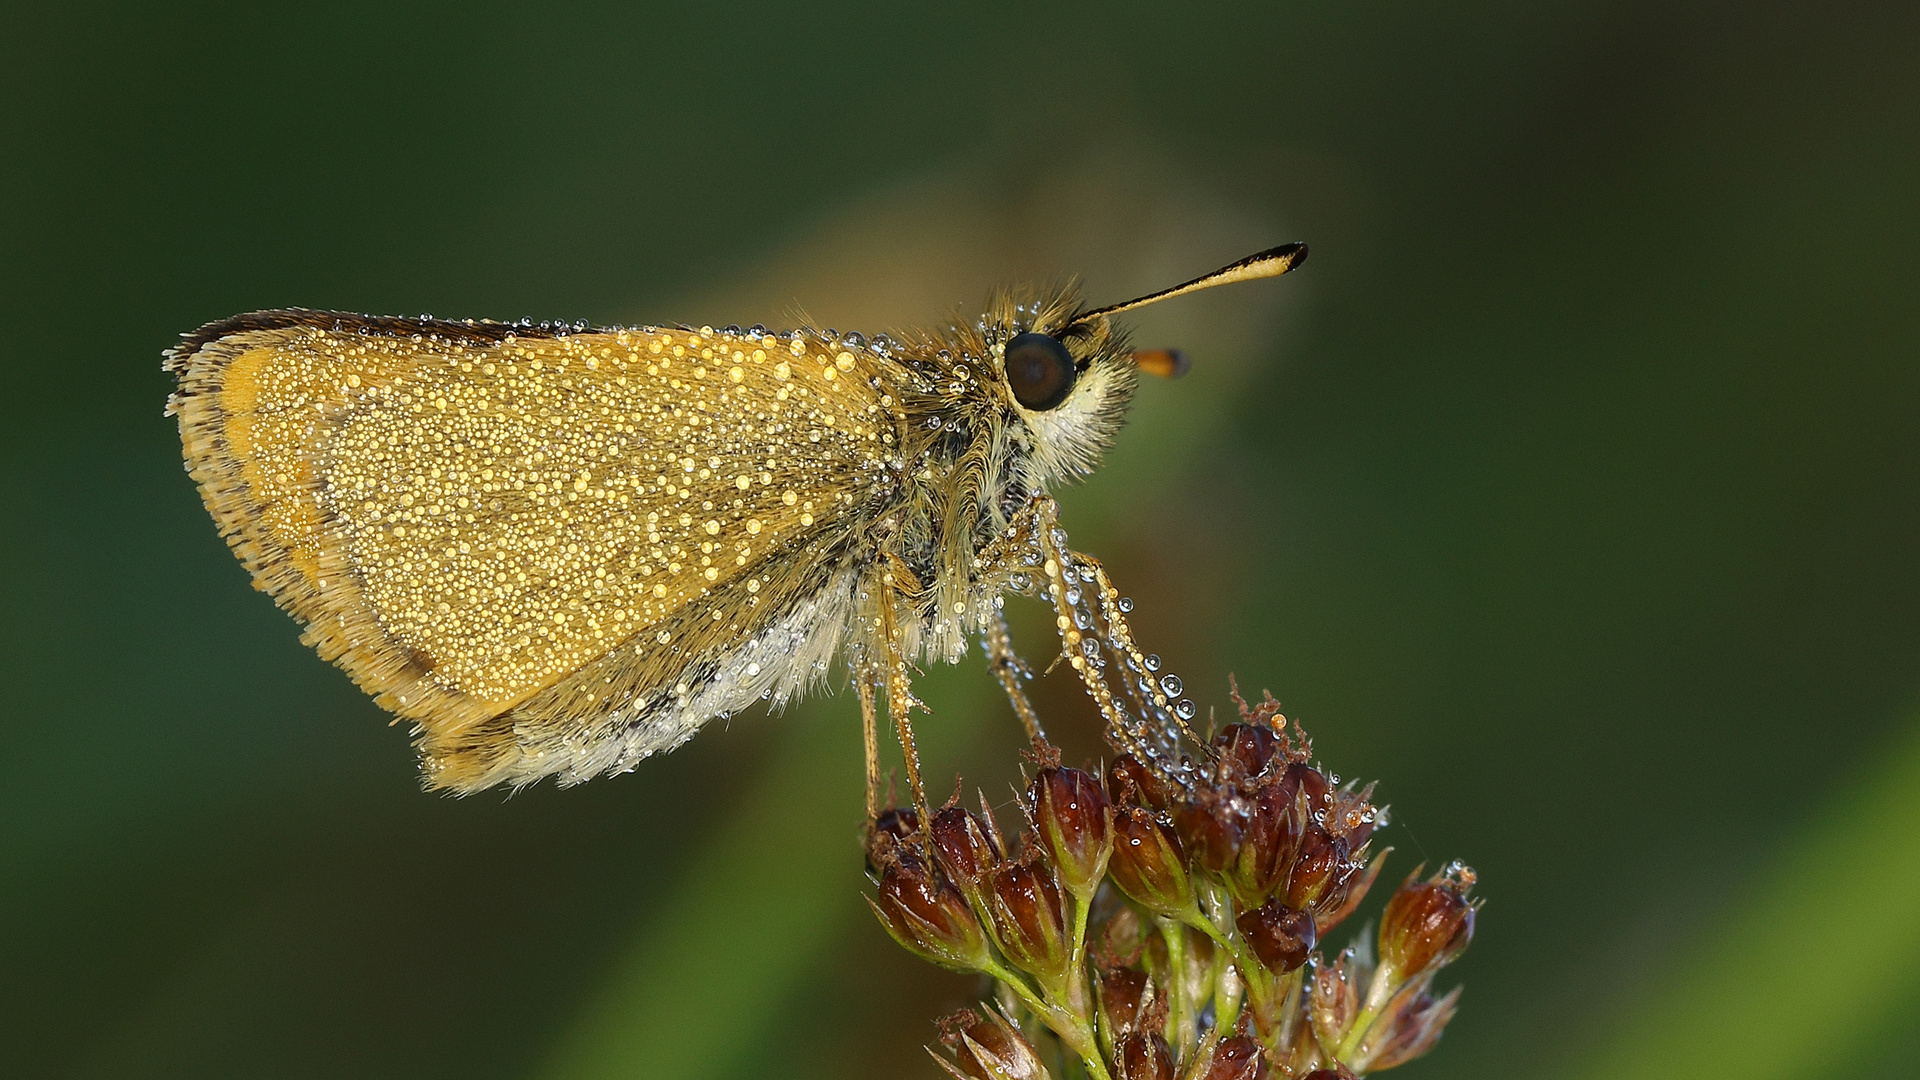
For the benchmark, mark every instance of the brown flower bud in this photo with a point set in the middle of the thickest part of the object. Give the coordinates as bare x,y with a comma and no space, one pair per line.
1244,751
1326,916
1121,938
989,1049
1334,1001
1338,1072
1028,922
929,917
1410,1029
1149,863
1354,816
1273,830
1311,783
893,829
1427,924
1143,1055
1213,823
1071,814
1282,937
964,848
1123,992
1321,875
1129,781
1238,1058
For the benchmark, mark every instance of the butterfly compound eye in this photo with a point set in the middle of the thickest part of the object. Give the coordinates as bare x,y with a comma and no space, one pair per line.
1039,370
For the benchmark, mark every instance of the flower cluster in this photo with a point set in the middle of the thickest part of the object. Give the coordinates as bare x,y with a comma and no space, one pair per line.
1155,924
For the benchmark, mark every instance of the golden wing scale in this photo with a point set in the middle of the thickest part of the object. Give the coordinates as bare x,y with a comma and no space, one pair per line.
559,550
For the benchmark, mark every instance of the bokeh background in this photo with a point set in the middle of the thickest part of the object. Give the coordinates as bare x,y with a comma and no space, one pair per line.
1572,490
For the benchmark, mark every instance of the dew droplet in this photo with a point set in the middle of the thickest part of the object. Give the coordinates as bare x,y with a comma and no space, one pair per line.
1184,709
1170,684
1126,604
1153,661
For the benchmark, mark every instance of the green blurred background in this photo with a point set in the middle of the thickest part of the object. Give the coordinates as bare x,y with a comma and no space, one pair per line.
1572,490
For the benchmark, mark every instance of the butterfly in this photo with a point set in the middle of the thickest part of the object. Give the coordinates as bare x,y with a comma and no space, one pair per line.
558,549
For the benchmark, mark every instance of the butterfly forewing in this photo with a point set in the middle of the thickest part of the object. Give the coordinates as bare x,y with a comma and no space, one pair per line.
467,515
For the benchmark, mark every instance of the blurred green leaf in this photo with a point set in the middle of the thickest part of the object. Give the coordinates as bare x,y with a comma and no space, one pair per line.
1819,965
771,888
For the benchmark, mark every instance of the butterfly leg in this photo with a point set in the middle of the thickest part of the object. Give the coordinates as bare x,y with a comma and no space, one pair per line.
1012,672
1095,638
895,594
869,730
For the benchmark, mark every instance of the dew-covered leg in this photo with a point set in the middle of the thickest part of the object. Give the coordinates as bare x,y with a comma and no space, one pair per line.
1012,672
869,730
1141,718
898,682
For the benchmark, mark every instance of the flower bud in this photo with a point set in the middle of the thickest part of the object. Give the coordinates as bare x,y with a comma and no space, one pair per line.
1334,1001
1311,783
964,848
1149,863
1282,937
1409,1030
1024,904
929,917
1128,781
893,829
1322,873
1123,992
1143,1055
1337,1072
1273,830
1071,814
1427,924
989,1049
1238,1058
1355,817
1244,750
1213,822
1121,938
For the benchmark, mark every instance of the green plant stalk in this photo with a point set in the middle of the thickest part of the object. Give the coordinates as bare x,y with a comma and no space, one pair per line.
1073,1030
1079,985
1380,993
1227,985
1180,1011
